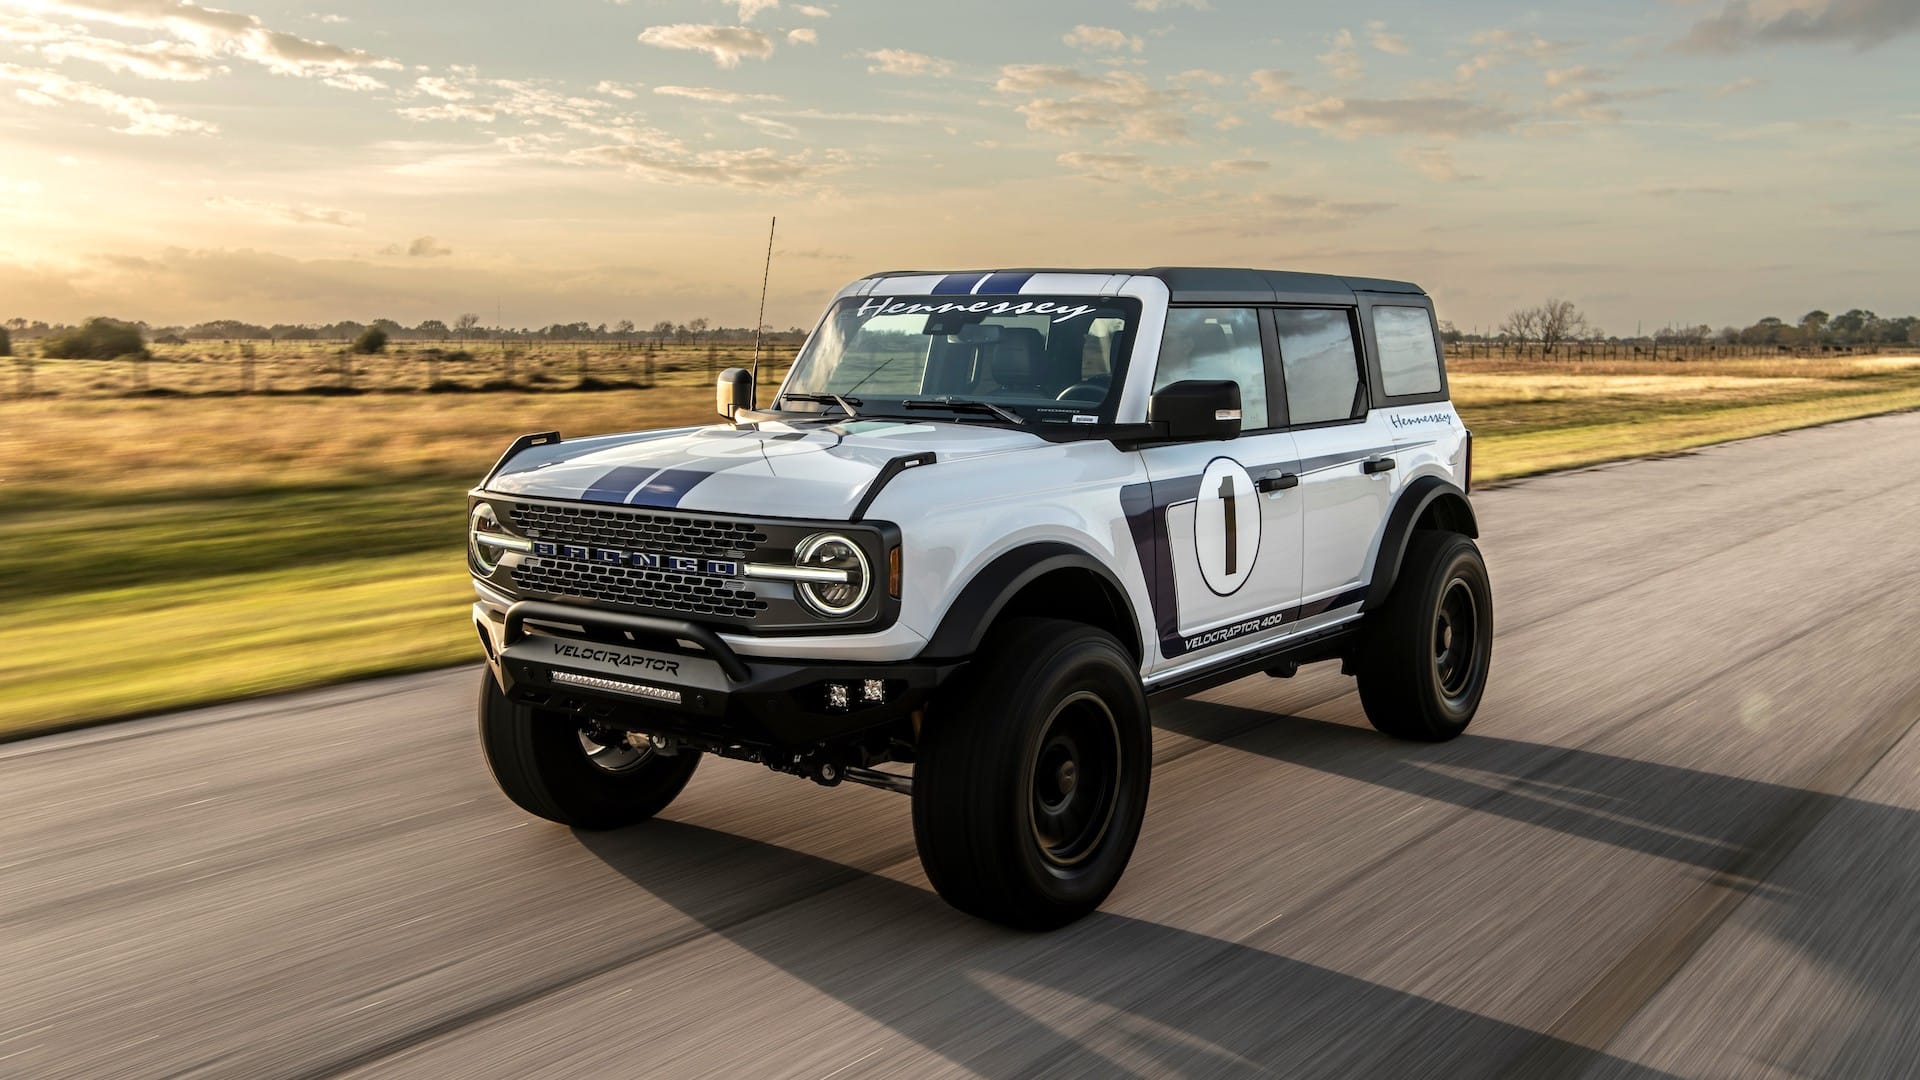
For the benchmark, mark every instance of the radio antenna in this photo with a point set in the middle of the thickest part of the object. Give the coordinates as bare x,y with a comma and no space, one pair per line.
765,273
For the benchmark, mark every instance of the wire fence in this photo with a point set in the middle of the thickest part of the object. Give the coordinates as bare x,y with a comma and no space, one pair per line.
214,368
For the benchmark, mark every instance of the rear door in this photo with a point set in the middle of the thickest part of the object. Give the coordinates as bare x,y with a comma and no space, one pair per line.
1345,455
1230,551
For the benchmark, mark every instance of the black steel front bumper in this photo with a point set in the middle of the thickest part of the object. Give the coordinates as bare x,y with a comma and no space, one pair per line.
672,677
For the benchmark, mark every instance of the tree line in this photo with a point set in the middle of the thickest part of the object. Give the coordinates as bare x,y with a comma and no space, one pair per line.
465,327
1560,322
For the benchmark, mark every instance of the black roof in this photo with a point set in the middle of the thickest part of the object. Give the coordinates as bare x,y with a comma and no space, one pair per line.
1229,285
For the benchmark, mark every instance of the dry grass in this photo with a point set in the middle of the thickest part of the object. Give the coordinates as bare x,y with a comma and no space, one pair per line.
171,551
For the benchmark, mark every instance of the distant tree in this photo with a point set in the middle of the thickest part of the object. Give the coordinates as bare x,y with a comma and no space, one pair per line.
372,341
285,332
171,338
16,323
96,339
465,324
1813,322
226,330
6,342
1552,324
387,325
1855,327
623,327
432,328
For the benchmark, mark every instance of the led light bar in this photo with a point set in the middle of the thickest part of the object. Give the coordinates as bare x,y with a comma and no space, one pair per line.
617,686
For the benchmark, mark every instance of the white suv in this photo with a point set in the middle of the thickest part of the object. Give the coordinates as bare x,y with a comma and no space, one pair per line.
987,519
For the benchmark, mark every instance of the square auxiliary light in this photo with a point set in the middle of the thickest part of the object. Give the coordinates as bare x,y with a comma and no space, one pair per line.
839,696
873,692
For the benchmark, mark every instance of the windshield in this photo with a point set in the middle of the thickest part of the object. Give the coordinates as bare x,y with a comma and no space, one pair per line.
1048,359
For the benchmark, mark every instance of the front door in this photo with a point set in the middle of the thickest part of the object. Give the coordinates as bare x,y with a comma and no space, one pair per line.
1229,570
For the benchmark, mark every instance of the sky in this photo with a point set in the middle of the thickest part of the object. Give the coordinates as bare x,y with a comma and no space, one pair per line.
1659,162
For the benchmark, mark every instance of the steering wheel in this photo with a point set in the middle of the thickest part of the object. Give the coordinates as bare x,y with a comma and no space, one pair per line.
1086,393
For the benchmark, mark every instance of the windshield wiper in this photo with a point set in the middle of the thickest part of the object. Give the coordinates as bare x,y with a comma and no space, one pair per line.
964,405
846,404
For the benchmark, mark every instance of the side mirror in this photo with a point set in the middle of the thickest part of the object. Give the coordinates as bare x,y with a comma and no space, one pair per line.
733,392
1197,410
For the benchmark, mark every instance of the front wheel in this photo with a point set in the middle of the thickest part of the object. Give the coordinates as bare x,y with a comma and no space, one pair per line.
553,766
1424,659
1031,780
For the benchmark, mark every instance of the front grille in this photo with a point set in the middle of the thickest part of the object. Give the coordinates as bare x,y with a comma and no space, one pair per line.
637,530
630,586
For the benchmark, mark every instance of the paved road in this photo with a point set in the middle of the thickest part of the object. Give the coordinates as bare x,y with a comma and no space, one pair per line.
1683,838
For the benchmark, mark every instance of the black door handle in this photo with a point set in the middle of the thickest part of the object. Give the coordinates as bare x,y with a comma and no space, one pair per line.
1277,482
1376,465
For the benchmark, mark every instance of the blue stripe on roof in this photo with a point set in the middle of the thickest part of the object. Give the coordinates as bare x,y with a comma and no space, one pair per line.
1003,284
959,284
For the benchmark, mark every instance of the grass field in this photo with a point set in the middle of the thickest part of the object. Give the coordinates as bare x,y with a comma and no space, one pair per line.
159,552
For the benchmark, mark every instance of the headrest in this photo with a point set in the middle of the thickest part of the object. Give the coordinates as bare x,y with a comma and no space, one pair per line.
1017,356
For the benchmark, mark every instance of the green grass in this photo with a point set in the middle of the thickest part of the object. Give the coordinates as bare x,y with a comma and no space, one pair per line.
211,555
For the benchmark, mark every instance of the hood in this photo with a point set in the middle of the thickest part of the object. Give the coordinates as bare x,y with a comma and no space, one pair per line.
775,469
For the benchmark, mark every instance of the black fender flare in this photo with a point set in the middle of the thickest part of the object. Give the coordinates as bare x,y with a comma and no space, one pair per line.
1422,493
964,626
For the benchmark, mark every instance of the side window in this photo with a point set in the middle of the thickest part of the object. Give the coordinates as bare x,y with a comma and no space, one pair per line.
1217,343
1321,365
1409,360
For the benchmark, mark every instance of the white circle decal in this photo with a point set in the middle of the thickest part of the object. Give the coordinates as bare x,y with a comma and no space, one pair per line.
1226,526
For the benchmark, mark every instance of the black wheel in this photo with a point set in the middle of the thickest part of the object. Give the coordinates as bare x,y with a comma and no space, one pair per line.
1423,664
1031,779
587,777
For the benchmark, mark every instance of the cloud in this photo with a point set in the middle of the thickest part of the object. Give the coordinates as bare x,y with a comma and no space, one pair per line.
1343,61
1087,161
449,111
1275,85
1498,47
160,60
212,33
667,161
812,12
1434,117
1067,101
1102,39
1170,5
902,62
1597,106
1579,73
286,214
1241,166
1860,23
726,44
1379,38
1435,163
1677,191
765,126
140,116
805,35
711,95
1737,86
423,247
750,8
444,89
619,90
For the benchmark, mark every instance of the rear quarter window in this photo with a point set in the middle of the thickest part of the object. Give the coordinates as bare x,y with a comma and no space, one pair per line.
1409,357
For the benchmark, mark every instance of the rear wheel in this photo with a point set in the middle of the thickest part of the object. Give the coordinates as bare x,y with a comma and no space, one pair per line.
1030,782
586,776
1423,664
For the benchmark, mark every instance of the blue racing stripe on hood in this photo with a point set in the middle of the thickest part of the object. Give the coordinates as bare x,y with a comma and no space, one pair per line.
613,487
667,488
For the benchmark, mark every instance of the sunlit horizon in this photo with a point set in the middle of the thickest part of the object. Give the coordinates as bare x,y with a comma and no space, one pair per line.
599,161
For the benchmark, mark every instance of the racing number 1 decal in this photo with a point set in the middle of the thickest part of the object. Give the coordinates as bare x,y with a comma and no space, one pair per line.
1226,526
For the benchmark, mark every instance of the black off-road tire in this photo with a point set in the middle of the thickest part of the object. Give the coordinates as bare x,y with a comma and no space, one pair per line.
1050,713
1423,661
539,762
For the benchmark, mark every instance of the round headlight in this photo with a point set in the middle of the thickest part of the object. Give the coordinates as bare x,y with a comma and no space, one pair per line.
483,523
843,596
